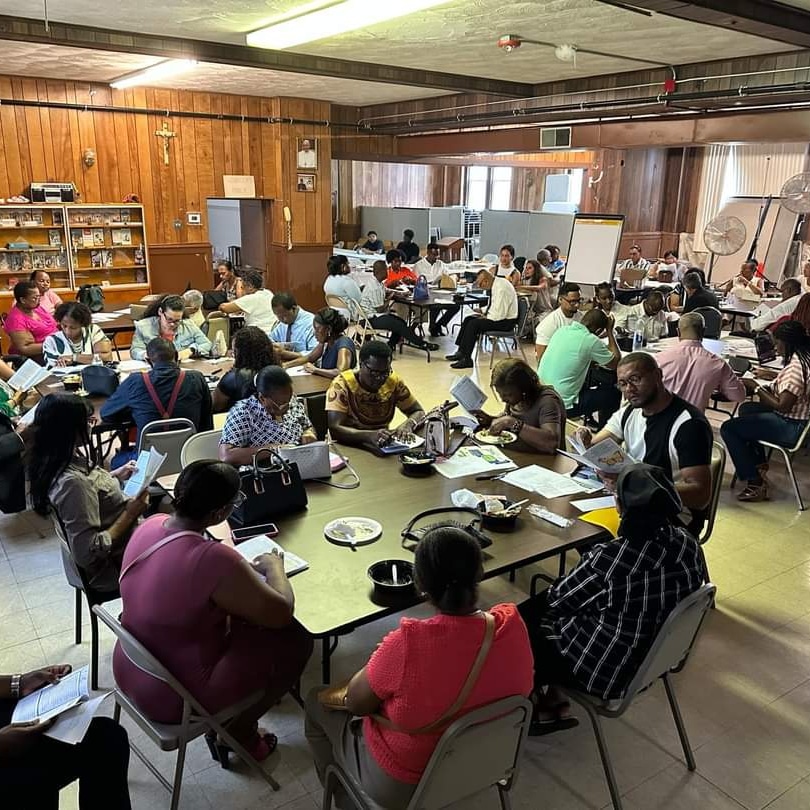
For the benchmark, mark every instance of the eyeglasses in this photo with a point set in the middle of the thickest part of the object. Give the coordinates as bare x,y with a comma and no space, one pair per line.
575,302
377,373
633,380
279,408
172,321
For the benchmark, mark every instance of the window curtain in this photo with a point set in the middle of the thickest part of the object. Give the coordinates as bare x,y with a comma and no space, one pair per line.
712,187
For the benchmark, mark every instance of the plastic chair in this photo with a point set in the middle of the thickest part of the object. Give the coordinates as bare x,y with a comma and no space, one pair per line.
195,719
504,337
77,579
202,446
713,319
478,751
787,454
167,436
669,653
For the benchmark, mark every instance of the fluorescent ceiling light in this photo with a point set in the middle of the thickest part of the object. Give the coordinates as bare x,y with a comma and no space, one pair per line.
335,19
162,70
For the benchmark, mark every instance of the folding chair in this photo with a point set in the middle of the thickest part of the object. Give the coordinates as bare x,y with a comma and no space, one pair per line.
668,654
718,468
167,436
203,446
195,719
478,751
505,337
787,454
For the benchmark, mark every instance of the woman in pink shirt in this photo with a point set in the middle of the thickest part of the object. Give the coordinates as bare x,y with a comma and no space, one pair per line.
28,324
416,674
201,609
48,299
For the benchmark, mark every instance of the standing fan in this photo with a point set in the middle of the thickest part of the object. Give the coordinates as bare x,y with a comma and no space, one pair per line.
723,236
796,194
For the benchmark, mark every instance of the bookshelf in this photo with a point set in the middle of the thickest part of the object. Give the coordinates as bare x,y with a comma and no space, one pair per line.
77,244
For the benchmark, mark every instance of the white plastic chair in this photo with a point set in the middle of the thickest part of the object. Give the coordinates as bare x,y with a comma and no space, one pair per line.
478,751
167,436
787,454
668,654
203,446
195,719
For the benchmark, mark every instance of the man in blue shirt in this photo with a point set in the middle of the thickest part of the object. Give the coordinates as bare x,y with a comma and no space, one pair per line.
294,325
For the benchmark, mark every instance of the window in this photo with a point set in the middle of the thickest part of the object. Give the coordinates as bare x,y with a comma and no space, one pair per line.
500,188
477,182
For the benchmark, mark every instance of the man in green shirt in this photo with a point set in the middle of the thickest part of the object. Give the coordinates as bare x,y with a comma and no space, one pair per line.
567,359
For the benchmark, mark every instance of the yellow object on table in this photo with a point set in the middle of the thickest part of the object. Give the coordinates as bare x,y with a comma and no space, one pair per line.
606,518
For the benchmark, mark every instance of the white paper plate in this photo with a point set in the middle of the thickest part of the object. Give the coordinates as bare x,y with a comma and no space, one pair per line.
353,531
505,437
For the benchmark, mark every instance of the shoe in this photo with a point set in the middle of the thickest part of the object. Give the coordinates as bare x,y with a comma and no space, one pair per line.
431,347
463,362
455,356
437,331
753,493
260,747
538,728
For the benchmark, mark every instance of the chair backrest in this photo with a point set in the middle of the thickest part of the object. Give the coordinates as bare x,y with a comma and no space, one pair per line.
167,436
739,365
490,258
718,467
523,312
72,573
476,752
202,446
713,319
216,324
136,311
800,442
673,642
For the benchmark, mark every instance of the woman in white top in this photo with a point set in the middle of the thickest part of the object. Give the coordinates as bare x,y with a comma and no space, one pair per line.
256,304
339,283
78,338
506,262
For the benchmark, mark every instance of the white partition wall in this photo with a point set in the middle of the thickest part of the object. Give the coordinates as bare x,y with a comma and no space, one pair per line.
528,231
417,219
549,229
449,220
379,219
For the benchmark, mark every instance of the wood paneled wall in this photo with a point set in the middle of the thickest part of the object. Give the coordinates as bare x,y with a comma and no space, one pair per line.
47,144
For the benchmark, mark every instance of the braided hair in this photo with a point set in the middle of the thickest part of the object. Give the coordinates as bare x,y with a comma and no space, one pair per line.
797,344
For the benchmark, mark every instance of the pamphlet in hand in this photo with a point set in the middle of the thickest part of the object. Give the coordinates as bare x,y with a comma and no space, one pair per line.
262,544
53,699
146,470
467,393
605,456
29,375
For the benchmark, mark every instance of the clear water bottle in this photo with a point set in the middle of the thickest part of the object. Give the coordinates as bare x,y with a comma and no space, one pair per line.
96,359
638,335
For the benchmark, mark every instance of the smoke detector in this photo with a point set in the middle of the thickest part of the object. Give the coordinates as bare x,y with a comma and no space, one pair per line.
509,42
566,53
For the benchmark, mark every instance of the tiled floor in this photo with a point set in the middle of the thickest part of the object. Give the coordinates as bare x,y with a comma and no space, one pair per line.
745,694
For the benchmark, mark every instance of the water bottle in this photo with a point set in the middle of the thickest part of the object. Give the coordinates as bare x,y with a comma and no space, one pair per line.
96,359
638,335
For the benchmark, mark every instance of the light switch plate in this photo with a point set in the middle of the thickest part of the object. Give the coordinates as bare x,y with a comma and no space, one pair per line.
194,218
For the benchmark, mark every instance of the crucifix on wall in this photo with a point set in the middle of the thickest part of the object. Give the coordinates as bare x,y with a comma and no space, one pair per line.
165,133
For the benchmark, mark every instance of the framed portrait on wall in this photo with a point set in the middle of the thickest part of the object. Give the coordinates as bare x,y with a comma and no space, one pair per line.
307,153
306,182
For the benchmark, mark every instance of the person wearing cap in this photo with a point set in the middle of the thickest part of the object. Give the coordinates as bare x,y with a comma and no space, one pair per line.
593,627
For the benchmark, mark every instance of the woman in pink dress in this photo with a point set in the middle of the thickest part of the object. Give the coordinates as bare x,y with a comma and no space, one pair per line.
201,609
28,324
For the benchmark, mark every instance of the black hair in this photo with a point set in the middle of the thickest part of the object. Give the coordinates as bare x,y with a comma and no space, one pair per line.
272,378
793,285
252,349
797,344
76,310
22,288
375,348
371,232
252,277
655,295
33,275
537,273
635,247
692,280
448,567
520,263
160,350
517,374
332,320
642,359
174,303
284,300
377,265
751,264
433,246
510,248
334,265
595,320
60,430
605,285
568,287
393,254
408,233
671,253
204,487
226,263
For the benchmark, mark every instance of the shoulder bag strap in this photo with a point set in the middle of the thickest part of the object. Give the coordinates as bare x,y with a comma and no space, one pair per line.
175,393
151,550
165,412
466,689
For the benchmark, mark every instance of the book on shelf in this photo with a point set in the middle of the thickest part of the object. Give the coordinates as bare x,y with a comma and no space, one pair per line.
140,256
56,217
107,258
87,237
123,216
55,238
95,258
98,237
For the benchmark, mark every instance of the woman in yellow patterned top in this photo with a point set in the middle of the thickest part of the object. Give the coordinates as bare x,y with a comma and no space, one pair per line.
360,405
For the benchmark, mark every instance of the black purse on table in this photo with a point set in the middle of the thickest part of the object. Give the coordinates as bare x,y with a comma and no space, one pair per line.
462,518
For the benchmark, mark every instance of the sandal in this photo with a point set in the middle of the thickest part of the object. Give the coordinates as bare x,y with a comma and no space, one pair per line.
753,493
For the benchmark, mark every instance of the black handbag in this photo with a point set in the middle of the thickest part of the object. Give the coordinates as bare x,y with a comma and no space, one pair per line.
269,491
99,381
213,298
470,523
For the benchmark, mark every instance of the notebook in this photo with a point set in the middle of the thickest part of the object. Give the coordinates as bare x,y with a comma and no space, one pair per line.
262,544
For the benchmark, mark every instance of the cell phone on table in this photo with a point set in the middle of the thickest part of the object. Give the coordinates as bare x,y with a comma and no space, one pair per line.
246,532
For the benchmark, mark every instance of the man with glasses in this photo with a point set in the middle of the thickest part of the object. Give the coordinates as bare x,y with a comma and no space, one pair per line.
663,430
569,299
361,404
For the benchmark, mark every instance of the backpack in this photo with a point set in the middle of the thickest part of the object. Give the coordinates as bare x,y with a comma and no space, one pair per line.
91,296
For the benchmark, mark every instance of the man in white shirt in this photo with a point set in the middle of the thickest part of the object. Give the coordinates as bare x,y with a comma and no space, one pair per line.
307,156
633,271
791,294
256,304
501,316
569,300
647,316
747,286
432,268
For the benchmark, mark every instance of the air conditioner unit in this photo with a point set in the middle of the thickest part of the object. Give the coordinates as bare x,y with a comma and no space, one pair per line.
555,137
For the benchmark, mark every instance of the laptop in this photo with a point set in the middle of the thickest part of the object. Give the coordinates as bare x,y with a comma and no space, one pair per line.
765,348
312,459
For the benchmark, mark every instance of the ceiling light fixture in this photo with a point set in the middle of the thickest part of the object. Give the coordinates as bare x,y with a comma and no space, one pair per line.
335,19
162,70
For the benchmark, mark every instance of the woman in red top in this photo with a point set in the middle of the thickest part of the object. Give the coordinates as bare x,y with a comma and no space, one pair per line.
398,273
416,674
28,324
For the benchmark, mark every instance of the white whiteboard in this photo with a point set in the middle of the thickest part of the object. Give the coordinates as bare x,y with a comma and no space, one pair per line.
594,248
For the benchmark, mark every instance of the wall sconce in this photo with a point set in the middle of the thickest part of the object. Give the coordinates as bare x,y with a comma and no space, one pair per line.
88,158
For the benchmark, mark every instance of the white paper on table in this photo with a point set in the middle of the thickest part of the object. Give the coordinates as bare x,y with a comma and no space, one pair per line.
103,317
133,365
28,375
542,481
473,461
589,504
468,394
262,544
53,699
71,726
61,371
28,417
297,371
146,469
124,311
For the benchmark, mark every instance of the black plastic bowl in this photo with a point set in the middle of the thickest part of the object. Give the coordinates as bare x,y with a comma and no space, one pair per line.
417,465
496,522
380,573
